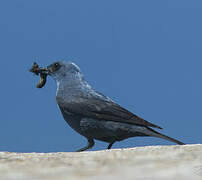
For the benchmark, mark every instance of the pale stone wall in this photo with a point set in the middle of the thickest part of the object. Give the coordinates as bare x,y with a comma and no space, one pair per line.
144,163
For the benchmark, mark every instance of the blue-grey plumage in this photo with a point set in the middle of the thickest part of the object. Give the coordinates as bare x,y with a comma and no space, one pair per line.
92,114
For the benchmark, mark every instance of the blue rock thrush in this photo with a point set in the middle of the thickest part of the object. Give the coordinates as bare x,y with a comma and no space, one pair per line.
92,114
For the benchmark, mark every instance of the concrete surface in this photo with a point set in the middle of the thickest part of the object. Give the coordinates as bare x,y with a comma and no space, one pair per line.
150,162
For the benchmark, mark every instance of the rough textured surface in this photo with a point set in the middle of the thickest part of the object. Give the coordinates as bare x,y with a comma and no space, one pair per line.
151,162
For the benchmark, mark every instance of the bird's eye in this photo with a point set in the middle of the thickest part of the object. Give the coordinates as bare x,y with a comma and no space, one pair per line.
56,65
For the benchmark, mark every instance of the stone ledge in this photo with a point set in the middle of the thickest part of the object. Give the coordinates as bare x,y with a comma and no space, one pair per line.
149,162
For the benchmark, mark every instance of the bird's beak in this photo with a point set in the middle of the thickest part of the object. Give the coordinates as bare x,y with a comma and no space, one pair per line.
49,70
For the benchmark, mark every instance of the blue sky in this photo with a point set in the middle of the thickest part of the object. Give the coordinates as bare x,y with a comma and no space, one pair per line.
145,55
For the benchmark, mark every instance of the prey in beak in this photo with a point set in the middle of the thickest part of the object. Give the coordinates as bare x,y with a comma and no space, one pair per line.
43,72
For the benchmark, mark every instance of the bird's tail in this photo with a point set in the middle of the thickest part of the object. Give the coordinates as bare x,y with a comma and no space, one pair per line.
159,135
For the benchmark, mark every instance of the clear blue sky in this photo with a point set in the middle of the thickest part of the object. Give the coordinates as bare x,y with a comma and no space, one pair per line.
146,55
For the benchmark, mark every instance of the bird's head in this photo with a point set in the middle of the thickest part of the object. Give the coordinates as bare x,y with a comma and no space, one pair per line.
61,69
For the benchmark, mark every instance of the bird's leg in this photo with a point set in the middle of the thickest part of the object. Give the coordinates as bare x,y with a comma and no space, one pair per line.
90,145
110,145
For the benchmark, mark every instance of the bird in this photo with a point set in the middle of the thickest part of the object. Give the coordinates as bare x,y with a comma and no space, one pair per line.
92,114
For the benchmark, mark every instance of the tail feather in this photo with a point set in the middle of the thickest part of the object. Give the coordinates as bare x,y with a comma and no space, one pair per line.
159,135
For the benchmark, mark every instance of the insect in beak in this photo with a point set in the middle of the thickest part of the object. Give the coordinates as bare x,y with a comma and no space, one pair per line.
43,72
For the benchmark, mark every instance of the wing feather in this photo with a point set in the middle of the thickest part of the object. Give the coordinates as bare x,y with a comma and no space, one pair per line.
101,109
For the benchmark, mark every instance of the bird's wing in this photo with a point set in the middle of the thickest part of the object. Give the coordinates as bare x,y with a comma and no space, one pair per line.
101,109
